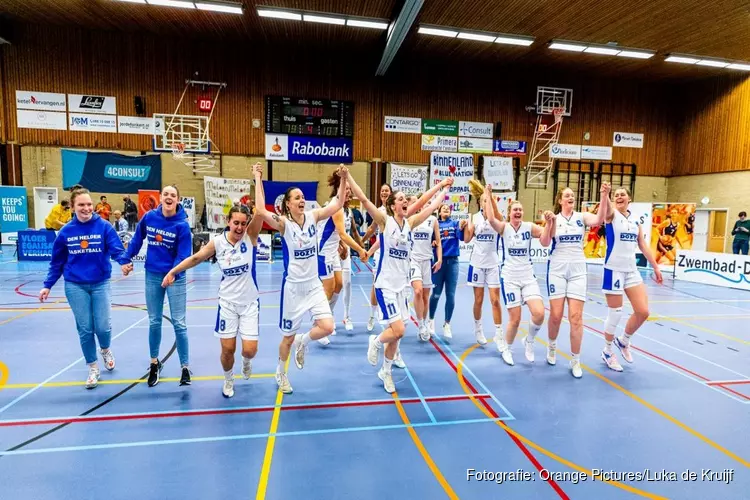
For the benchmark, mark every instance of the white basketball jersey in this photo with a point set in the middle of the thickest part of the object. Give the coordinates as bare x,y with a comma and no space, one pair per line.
328,244
239,285
567,245
622,243
486,242
348,218
516,251
393,264
422,236
299,246
376,255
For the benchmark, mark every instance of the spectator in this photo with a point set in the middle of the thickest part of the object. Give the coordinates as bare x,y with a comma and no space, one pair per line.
58,216
741,234
131,212
103,208
119,223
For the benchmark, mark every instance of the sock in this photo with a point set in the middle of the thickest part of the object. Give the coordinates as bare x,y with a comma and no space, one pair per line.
306,339
477,324
625,339
553,344
247,361
334,299
228,374
347,293
608,346
533,330
280,366
387,364
373,311
378,343
499,329
576,358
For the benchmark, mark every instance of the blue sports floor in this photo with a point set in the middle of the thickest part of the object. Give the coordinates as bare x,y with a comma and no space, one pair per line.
682,408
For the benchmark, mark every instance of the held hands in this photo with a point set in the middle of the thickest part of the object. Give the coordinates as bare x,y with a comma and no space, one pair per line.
448,181
436,267
343,172
127,269
549,216
258,171
43,294
605,189
462,225
168,280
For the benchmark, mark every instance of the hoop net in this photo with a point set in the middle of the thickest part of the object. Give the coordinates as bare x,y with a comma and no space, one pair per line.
178,150
558,114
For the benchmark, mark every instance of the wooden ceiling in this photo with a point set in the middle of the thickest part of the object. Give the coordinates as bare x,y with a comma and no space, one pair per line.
719,29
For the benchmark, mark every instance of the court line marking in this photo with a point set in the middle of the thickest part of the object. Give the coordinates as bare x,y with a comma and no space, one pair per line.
265,470
225,411
78,383
656,410
422,450
459,373
721,382
419,395
132,444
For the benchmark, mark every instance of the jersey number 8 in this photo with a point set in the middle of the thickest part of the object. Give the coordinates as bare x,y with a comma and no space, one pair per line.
222,325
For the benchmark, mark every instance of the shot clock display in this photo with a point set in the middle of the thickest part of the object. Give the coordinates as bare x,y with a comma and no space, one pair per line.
312,117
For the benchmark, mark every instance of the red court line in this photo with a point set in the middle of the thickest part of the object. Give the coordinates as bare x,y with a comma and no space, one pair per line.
235,411
729,382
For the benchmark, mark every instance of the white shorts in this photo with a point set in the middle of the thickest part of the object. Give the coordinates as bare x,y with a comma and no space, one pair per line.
567,280
330,264
300,298
614,282
481,277
517,292
393,306
421,270
233,320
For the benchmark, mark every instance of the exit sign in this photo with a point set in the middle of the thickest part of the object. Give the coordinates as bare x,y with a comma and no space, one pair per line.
205,104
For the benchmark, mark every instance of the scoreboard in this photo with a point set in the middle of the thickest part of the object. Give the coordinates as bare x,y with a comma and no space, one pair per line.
310,117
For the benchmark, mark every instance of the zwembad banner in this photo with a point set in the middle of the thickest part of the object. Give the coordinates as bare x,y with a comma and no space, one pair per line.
111,172
709,268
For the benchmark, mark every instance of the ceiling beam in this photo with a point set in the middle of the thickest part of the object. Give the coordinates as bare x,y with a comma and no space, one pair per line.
397,33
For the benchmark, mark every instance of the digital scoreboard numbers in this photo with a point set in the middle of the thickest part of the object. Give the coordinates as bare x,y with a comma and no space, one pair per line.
311,117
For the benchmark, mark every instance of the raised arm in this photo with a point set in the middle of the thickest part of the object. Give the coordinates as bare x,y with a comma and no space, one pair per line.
439,246
378,217
549,228
597,219
338,202
338,222
489,212
417,205
272,220
202,255
646,251
420,217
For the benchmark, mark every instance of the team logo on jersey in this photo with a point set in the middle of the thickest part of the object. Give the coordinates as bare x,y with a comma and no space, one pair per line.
398,254
517,252
305,253
486,237
570,238
422,236
236,271
629,237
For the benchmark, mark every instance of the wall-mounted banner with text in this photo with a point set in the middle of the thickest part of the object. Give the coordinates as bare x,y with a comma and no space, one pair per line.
508,148
93,123
96,104
498,171
403,124
308,149
440,127
569,151
474,145
461,168
46,120
596,152
439,143
14,215
135,125
711,268
627,140
40,101
475,129
111,172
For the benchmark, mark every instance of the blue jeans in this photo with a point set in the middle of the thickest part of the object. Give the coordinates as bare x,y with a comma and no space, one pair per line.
740,246
90,304
177,295
447,276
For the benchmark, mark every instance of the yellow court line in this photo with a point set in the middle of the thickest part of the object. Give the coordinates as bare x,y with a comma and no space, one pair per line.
544,451
423,451
265,471
3,375
75,383
659,412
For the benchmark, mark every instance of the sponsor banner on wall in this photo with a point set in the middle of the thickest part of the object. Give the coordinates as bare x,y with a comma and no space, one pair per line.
92,123
96,104
40,101
220,194
403,124
188,204
126,237
461,168
627,140
110,172
13,211
47,120
595,241
440,127
498,171
508,148
35,245
711,268
308,149
569,151
476,129
670,231
148,199
135,125
439,143
596,152
409,180
474,145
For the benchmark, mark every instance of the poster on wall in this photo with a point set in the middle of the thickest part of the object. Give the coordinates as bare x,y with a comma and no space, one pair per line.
408,179
148,199
498,171
188,204
220,195
110,172
461,168
13,211
595,243
672,230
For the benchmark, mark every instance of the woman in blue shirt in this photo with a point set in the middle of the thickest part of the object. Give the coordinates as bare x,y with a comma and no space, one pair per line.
169,243
451,232
81,254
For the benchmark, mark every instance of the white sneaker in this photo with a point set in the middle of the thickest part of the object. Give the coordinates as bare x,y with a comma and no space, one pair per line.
109,359
228,389
551,355
299,351
373,351
398,361
611,361
370,324
387,379
575,368
500,343
529,349
283,382
326,340
93,378
247,368
424,333
624,349
479,334
348,325
447,333
431,326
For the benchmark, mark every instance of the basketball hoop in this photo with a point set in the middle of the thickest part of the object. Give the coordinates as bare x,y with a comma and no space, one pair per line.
178,150
558,113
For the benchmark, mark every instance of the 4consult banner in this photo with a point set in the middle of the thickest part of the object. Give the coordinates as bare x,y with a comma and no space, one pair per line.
111,172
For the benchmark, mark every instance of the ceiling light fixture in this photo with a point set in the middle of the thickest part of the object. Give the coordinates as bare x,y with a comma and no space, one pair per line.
488,37
280,14
323,19
636,54
476,36
571,47
741,67
683,60
712,63
610,49
226,8
437,32
359,23
172,3
133,1
513,40
606,51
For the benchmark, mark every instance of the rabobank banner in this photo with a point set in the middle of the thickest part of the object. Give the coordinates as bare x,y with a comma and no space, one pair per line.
710,268
309,149
110,172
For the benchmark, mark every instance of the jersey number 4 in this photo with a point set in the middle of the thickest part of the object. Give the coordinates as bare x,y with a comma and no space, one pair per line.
617,284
